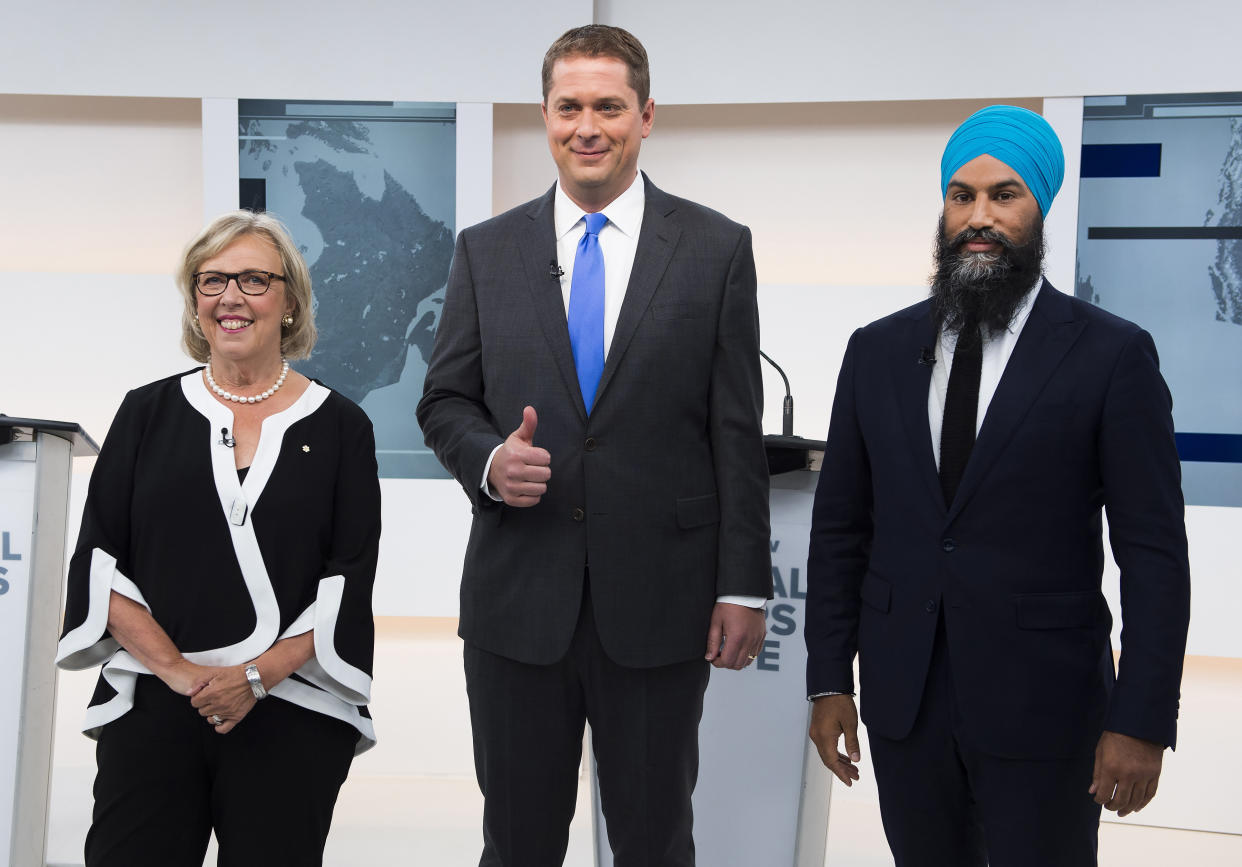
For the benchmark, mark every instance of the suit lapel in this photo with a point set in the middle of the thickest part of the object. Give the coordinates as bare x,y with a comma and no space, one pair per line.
1049,333
911,382
538,246
657,239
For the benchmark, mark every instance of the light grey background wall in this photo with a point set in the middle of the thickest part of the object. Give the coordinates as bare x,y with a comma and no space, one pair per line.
703,51
729,51
447,50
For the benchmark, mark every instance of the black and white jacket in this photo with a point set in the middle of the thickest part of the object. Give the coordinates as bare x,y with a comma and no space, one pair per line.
228,565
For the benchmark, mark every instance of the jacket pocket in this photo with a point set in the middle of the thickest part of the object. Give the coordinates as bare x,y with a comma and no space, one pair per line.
698,511
876,592
1057,610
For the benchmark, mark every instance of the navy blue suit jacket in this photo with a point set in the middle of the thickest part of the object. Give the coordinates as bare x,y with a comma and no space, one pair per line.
1081,421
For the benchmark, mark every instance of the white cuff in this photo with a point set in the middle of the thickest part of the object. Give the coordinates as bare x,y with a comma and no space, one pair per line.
86,646
312,699
487,468
121,672
748,601
326,669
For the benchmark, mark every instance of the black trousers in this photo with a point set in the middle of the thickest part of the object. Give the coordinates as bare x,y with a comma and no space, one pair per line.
165,780
947,804
528,721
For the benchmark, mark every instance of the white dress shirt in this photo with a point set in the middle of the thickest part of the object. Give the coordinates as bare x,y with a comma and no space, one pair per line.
996,351
618,241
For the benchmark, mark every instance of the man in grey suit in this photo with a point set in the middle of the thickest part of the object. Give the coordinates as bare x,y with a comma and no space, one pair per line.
620,534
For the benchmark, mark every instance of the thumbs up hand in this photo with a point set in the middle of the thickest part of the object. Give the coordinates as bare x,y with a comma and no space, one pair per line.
520,471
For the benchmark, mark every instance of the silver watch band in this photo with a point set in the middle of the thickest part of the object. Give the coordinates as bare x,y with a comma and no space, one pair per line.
256,682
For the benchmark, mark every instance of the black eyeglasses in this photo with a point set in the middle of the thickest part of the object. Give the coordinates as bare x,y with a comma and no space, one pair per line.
249,282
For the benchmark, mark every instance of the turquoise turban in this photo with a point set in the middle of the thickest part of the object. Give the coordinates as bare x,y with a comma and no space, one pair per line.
1020,139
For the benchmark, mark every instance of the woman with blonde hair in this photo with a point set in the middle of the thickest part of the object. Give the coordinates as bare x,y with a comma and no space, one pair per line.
222,577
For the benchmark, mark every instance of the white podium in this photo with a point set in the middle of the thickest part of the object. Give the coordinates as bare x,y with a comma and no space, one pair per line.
35,461
763,794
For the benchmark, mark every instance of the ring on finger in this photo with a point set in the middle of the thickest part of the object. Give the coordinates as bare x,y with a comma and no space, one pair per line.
215,719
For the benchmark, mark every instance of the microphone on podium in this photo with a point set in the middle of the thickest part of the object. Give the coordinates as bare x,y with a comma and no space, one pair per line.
787,406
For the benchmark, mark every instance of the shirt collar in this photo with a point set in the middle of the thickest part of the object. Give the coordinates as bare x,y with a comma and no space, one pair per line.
625,212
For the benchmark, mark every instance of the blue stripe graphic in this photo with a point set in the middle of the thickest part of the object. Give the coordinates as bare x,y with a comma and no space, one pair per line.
1120,161
1210,448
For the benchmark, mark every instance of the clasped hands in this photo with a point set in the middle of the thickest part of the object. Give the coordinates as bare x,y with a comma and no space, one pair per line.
221,691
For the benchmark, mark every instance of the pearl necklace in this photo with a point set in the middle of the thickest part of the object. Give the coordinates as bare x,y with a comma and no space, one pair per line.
237,398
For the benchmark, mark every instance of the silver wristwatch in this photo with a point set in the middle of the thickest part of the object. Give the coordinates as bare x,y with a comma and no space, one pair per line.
256,682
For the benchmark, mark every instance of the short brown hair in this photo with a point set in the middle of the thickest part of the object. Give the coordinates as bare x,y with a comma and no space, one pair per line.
297,340
601,40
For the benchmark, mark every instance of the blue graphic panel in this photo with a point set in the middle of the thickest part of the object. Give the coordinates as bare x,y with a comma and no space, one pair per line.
1160,243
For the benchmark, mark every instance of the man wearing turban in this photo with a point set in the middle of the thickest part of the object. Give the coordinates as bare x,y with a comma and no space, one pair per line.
956,541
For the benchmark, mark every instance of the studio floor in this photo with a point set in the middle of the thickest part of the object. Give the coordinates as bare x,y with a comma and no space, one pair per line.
413,799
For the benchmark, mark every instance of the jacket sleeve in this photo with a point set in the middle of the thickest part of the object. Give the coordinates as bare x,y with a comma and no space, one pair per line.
456,422
736,429
840,546
1146,521
101,560
341,615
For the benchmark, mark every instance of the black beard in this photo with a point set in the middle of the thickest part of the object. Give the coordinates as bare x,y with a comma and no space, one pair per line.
987,287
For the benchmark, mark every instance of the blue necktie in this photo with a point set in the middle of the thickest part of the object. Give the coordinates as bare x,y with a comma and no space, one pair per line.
586,310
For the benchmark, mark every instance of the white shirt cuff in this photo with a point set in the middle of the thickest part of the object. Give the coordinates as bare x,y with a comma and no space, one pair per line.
748,601
487,468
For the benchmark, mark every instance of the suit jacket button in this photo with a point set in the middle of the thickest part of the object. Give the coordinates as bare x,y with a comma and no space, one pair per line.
579,514
930,606
590,444
948,544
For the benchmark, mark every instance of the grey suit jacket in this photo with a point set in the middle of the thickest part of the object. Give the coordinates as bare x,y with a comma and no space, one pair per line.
662,490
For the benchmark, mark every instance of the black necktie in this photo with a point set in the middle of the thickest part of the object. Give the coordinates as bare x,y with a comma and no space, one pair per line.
961,404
